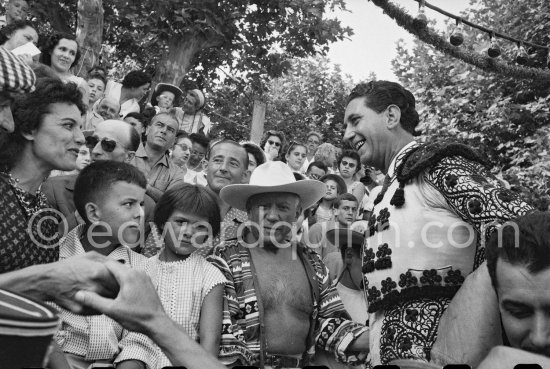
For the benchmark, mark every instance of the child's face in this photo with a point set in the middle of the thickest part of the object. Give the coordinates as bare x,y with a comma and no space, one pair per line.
332,190
97,88
166,99
122,210
184,233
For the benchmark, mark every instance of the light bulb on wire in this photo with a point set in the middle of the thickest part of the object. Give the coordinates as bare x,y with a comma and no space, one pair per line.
521,56
494,50
457,37
421,20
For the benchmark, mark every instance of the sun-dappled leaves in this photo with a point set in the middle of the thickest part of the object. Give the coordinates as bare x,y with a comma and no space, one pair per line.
508,120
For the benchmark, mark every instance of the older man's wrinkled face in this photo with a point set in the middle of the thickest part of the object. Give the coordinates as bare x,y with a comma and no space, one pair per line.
313,142
116,133
524,302
272,216
189,103
108,109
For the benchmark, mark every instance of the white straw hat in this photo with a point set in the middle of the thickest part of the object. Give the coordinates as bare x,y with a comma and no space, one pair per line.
273,176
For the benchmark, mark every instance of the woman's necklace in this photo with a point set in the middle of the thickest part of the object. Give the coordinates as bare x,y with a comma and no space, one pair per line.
30,203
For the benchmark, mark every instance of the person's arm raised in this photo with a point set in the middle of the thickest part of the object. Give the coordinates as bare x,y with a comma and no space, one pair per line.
138,308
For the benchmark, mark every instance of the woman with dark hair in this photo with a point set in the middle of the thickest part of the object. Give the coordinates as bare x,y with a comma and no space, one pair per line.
187,218
256,156
47,136
134,86
61,52
295,156
272,144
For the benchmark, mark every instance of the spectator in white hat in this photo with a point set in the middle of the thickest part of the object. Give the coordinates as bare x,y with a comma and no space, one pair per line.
278,285
193,119
165,97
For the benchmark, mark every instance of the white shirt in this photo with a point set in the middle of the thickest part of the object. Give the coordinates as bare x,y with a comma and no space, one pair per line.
182,287
114,90
97,337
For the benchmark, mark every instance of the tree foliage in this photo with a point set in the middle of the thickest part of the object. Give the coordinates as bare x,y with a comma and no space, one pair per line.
507,119
252,38
310,96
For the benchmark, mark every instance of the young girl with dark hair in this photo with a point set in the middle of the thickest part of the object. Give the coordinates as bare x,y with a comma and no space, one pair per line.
190,288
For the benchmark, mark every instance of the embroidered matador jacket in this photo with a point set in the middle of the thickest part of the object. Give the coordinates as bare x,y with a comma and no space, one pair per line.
438,206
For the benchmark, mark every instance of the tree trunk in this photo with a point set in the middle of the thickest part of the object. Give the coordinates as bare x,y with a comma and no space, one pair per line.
89,34
177,61
258,119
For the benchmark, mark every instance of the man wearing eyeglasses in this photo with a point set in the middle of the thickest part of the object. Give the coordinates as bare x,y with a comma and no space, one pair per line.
314,139
152,157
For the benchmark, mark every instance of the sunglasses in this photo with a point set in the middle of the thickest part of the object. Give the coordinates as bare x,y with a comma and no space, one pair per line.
348,164
278,144
106,144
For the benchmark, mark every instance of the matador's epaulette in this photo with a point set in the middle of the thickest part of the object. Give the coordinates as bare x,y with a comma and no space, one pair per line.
424,157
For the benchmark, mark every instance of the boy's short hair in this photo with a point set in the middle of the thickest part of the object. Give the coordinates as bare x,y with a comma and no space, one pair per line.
142,118
200,139
524,241
182,134
318,164
98,77
344,197
96,179
192,199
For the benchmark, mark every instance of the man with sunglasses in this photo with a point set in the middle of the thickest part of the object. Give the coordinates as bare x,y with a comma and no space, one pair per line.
112,140
152,157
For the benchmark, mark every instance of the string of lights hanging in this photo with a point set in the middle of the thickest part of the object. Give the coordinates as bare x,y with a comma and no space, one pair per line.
489,61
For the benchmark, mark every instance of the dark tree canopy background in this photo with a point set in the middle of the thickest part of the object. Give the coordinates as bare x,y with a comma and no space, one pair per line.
193,38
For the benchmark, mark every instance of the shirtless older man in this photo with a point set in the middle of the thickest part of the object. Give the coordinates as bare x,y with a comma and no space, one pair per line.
279,306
